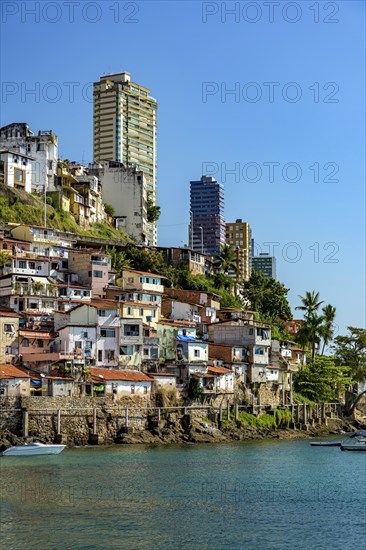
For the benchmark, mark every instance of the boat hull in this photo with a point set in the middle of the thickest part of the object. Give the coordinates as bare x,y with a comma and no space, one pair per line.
36,450
356,447
326,444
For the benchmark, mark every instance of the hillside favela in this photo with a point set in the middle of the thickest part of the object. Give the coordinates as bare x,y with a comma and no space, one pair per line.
108,338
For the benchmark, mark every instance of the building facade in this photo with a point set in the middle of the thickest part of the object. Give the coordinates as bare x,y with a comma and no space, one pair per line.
207,223
43,148
239,235
266,264
125,123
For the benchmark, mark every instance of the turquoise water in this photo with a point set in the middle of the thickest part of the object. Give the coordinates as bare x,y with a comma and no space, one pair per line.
253,495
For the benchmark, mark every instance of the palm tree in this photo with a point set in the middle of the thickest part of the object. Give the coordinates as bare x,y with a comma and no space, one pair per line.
226,259
310,333
310,304
329,313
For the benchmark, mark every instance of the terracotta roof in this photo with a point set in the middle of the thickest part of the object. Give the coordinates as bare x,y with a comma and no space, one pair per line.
10,371
189,324
113,374
161,374
297,349
219,370
7,312
203,375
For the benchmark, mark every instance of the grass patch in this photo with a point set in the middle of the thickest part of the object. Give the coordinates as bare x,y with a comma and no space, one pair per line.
17,206
280,418
298,398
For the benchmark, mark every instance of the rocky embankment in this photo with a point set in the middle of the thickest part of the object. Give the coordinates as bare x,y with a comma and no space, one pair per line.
203,431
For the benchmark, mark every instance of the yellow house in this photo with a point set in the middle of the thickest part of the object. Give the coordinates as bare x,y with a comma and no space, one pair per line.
149,313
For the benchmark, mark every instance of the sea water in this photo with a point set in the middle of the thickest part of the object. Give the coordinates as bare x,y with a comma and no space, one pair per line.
271,494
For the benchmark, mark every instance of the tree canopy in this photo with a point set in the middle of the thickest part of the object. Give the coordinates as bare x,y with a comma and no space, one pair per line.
322,380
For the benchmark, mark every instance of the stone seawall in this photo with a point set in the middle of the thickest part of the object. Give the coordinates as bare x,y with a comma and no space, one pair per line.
76,421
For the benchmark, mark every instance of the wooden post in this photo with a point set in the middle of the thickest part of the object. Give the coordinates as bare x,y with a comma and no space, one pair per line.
58,422
291,396
228,411
126,417
304,414
159,414
220,413
94,421
236,411
25,423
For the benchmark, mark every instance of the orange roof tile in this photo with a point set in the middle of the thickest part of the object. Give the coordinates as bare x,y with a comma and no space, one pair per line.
11,371
113,374
219,370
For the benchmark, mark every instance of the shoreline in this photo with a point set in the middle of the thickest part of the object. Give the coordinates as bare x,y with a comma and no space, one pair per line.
201,431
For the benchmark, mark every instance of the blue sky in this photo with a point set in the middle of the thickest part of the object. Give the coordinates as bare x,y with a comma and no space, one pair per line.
188,54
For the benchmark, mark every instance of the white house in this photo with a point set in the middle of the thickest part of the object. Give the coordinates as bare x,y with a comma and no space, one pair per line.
16,169
122,383
14,381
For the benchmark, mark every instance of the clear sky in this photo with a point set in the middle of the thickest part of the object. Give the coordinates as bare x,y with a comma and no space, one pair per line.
292,131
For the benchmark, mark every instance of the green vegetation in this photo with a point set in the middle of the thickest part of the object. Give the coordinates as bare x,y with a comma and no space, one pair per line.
17,206
195,389
280,418
108,209
300,399
322,380
350,350
153,211
315,327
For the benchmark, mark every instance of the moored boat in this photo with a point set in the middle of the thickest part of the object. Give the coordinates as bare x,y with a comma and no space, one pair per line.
358,446
34,449
326,443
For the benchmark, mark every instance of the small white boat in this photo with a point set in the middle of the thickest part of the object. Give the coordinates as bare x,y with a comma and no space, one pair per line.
34,449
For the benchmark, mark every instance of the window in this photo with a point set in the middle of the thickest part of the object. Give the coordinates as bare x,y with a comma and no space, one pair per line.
146,352
40,343
130,279
153,313
197,353
141,310
126,350
8,328
78,344
98,274
84,334
25,343
129,310
19,176
33,305
251,331
8,350
22,264
102,313
145,389
100,355
31,265
107,332
131,330
259,350
133,388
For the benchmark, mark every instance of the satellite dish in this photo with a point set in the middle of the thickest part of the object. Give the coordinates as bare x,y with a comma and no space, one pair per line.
100,375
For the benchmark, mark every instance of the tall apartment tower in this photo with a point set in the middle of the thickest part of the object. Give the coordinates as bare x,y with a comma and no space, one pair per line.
125,123
239,235
207,223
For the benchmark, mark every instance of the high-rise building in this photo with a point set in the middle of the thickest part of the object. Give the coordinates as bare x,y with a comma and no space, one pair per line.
264,263
125,123
239,235
207,223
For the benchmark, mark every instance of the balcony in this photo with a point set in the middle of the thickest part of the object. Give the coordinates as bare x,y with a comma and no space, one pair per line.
19,289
